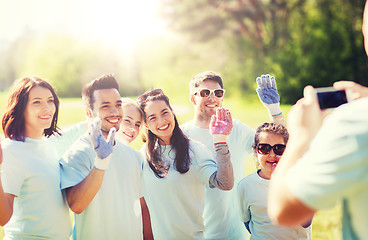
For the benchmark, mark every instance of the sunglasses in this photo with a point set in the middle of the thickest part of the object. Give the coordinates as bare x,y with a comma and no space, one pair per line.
204,92
143,98
265,148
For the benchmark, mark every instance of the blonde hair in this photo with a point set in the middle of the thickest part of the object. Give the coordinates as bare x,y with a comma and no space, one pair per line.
128,102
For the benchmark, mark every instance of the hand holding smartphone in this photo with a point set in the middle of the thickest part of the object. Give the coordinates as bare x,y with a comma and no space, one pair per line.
329,97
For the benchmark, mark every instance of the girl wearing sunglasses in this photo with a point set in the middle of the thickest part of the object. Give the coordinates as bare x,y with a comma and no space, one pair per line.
178,169
269,145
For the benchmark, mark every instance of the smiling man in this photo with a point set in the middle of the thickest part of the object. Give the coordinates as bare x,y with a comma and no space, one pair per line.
101,176
221,213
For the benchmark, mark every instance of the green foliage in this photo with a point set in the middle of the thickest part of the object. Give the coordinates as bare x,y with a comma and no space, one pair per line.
66,62
301,42
323,48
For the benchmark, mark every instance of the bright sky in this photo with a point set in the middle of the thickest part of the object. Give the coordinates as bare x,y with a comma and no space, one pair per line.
115,22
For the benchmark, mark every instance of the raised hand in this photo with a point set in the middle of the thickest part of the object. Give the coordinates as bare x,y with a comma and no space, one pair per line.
221,125
103,148
267,93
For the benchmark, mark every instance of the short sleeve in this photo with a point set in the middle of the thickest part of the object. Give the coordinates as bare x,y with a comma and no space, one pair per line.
244,135
12,176
76,164
243,202
202,160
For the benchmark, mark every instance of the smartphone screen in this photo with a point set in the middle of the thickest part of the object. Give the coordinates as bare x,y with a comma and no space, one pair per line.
331,98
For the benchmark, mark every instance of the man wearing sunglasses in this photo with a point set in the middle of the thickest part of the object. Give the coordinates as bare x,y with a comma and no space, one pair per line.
221,214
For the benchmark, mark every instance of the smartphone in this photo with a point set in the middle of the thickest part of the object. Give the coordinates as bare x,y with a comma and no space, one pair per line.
329,97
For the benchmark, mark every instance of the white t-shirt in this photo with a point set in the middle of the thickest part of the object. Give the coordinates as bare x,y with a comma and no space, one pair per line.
221,213
115,211
335,168
68,137
253,199
31,172
176,202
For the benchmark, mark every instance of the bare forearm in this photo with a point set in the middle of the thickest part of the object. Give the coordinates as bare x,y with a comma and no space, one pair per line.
224,177
6,206
283,207
81,195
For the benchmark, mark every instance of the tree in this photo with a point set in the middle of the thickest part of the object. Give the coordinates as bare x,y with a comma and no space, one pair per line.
299,41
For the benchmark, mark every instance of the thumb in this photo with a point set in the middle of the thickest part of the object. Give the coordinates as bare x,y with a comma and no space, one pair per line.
111,137
310,95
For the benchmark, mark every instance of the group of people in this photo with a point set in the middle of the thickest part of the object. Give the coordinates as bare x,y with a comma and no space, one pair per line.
188,181
115,191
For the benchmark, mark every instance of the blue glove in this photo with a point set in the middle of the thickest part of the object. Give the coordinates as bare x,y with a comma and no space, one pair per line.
267,93
103,148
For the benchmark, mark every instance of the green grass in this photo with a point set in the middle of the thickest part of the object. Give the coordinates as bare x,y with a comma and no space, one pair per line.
326,224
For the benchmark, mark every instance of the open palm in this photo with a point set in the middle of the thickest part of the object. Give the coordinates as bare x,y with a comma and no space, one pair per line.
221,123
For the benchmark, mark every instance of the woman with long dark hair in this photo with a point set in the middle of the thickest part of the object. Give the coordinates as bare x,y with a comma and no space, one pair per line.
178,169
31,202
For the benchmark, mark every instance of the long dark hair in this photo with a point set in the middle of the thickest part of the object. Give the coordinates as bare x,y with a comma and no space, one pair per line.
178,141
13,122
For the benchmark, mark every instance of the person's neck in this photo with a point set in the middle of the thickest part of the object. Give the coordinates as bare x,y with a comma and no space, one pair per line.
105,133
34,134
202,122
263,175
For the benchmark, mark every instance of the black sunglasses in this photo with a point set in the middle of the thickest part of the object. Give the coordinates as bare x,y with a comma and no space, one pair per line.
265,148
143,98
204,92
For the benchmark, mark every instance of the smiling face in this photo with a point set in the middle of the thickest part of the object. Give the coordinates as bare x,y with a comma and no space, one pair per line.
39,112
131,124
160,120
205,107
107,106
269,161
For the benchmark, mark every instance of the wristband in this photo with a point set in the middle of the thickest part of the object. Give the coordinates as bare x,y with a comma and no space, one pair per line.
102,164
274,109
219,138
277,114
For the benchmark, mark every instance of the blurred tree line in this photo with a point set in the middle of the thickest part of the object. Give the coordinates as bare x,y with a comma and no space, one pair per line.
300,42
65,61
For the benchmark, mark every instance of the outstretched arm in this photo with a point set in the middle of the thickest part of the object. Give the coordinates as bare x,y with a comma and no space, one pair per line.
6,199
220,127
81,195
270,98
